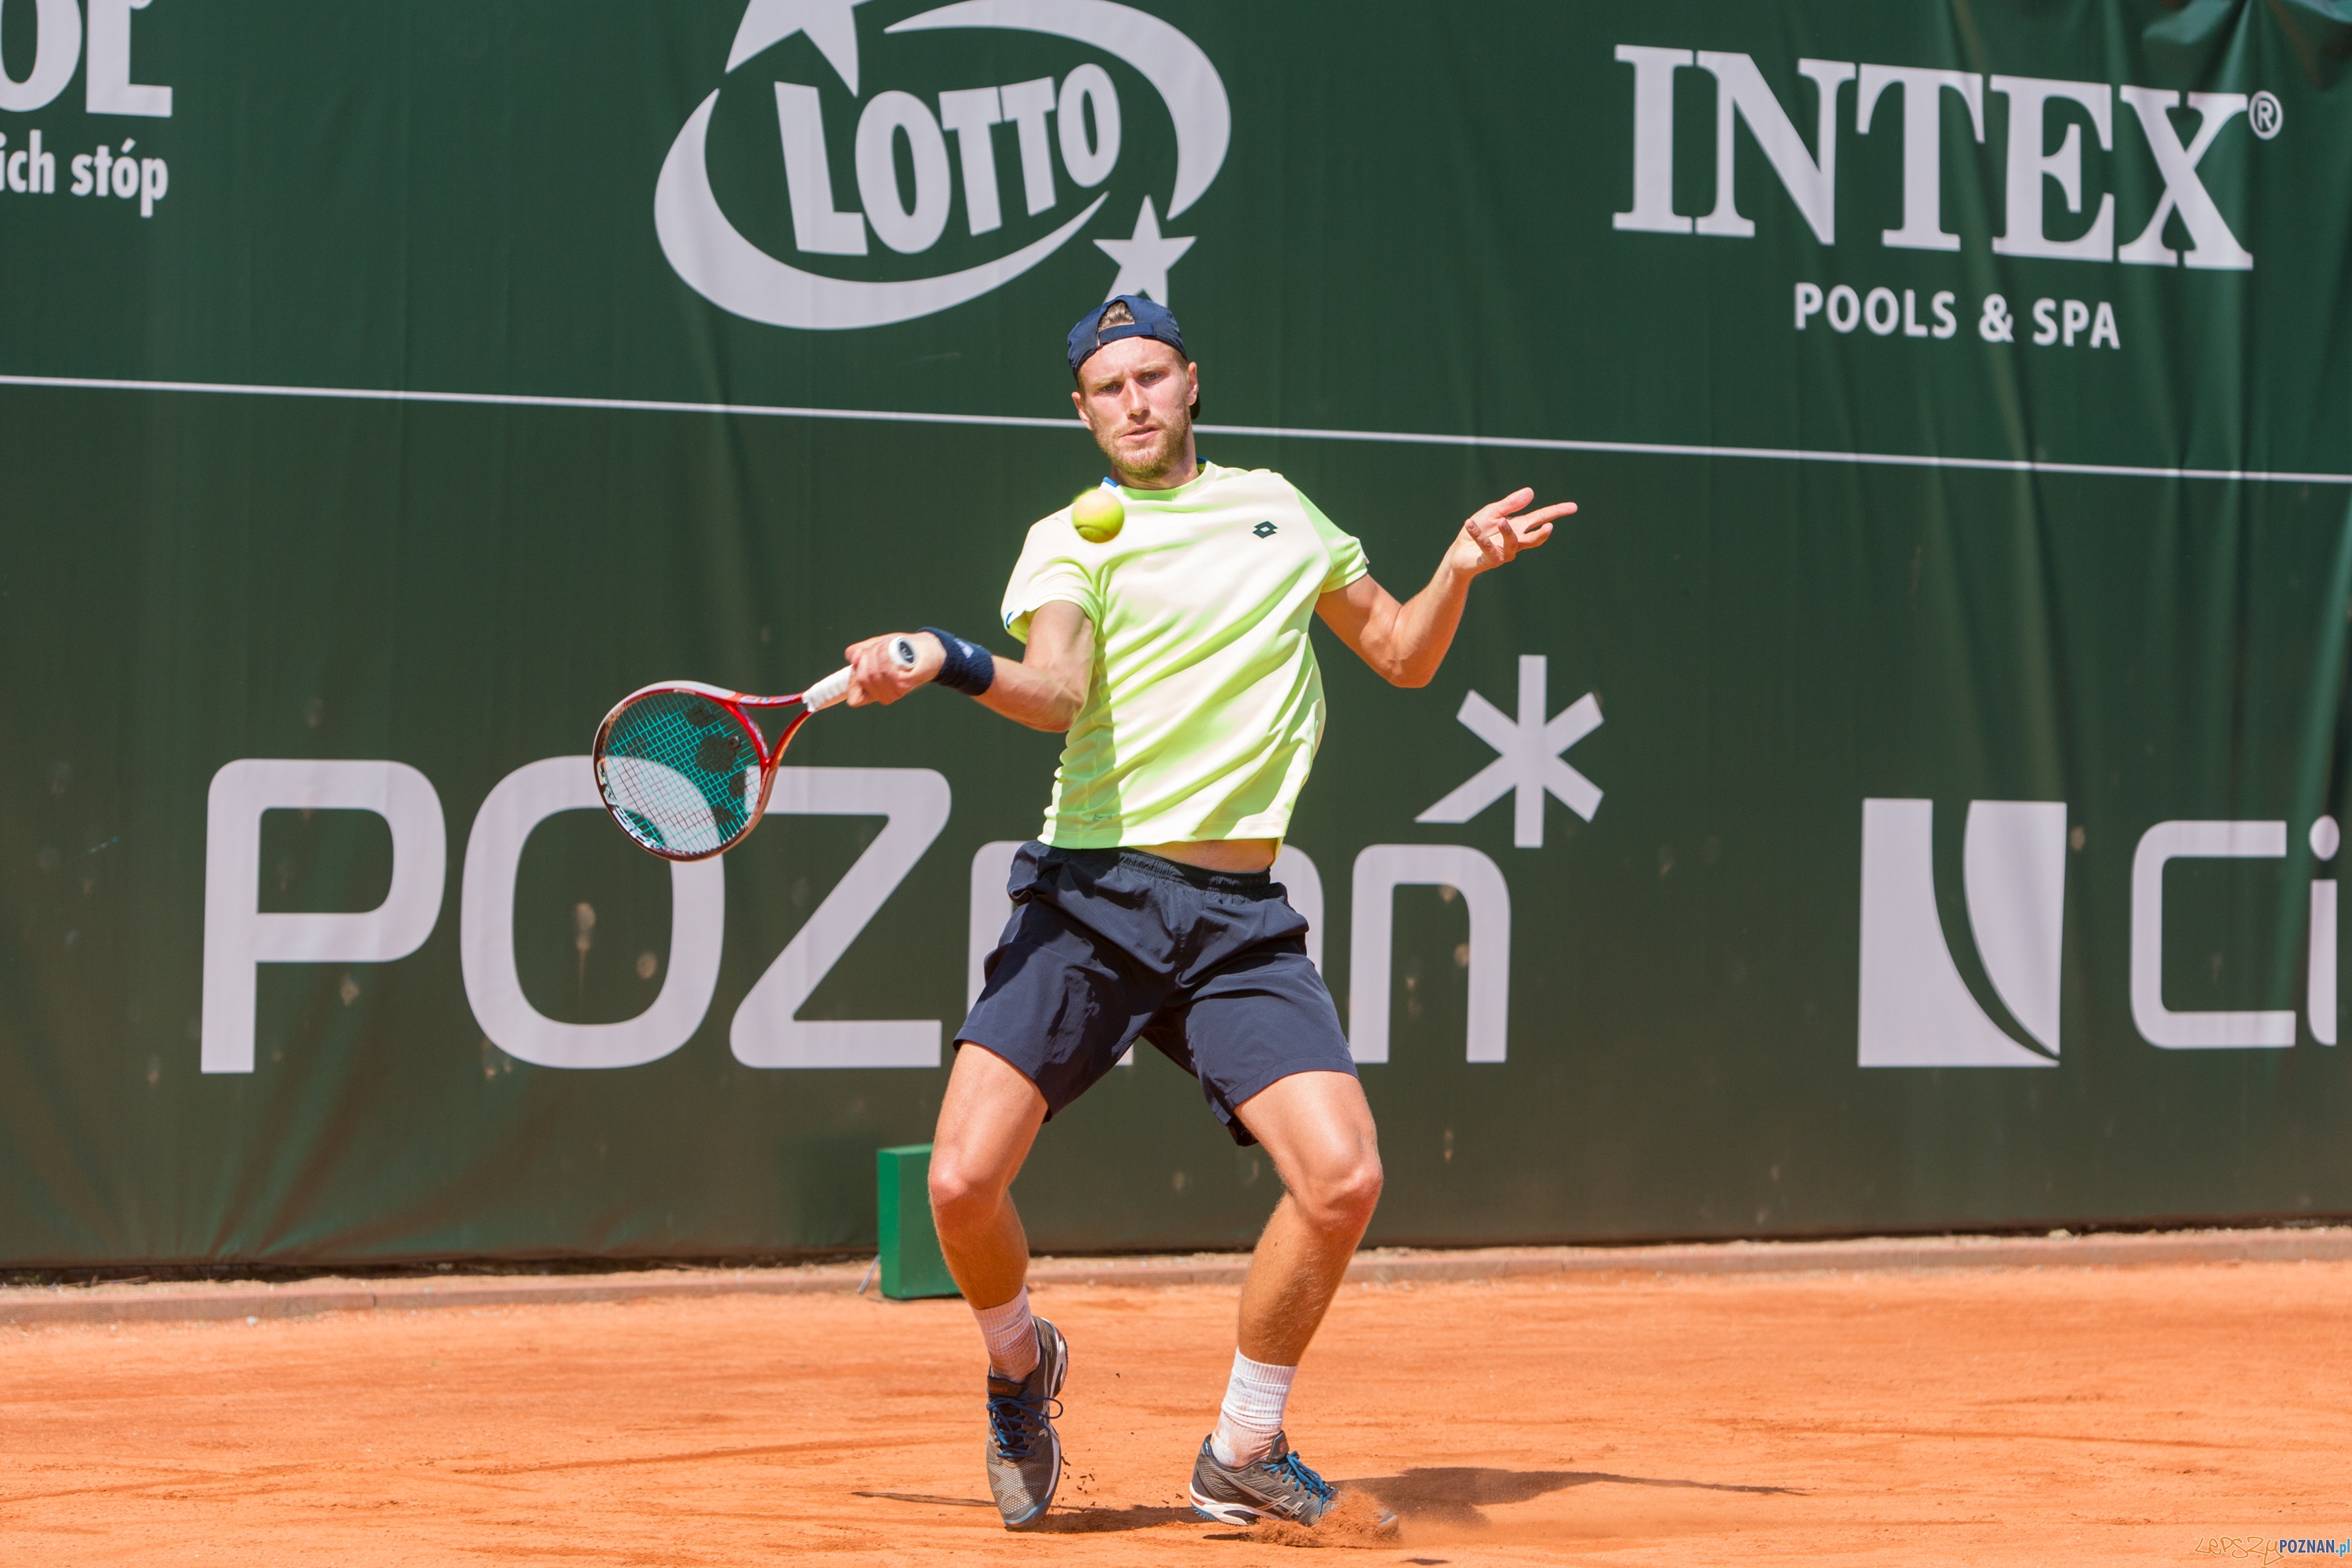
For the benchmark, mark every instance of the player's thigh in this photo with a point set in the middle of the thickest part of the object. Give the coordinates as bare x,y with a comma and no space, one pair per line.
988,1119
1318,1126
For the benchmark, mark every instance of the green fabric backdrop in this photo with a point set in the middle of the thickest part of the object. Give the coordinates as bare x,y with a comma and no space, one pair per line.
388,433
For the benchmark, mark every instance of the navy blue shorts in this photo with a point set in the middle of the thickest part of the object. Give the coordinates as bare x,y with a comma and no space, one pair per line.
1107,946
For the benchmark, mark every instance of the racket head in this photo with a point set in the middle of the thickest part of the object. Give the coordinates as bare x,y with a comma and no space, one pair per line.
681,769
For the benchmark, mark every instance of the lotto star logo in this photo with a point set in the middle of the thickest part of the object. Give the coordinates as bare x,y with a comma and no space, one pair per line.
1025,152
1265,529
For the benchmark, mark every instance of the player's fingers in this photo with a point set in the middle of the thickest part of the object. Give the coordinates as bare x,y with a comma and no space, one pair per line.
1512,502
1495,510
868,677
895,678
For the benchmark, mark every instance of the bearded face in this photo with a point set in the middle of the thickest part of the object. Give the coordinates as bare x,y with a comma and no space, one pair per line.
1135,397
1149,452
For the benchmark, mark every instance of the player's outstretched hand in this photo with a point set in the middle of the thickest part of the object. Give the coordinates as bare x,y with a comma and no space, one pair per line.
1495,533
875,677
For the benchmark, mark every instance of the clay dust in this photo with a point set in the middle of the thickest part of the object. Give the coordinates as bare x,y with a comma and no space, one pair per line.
1355,1517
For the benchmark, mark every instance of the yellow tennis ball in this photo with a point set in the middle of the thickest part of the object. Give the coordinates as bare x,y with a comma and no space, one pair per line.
1098,515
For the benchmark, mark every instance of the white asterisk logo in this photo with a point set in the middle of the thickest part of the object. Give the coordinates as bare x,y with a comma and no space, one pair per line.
1530,762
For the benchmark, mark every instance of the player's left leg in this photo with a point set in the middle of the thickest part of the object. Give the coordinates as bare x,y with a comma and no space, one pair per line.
1318,1128
1256,1023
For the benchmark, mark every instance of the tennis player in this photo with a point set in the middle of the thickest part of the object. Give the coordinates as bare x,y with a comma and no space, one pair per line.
1176,658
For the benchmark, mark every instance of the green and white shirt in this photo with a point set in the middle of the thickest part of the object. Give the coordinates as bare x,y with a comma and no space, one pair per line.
1205,705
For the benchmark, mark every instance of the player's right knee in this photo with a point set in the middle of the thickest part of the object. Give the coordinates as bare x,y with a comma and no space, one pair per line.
1341,1196
961,1193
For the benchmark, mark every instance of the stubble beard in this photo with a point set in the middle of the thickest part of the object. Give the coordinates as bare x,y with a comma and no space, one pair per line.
1175,435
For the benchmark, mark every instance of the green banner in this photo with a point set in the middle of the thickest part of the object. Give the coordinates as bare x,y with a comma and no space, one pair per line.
1904,797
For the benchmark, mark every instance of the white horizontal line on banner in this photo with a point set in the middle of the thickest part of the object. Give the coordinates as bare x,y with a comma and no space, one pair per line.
1786,454
533,400
1270,432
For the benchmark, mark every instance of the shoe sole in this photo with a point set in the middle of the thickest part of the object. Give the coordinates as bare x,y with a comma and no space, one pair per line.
1217,1512
1061,1376
1242,1515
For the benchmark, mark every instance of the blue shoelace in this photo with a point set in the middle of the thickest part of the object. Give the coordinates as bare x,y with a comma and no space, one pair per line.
1294,1469
1017,1421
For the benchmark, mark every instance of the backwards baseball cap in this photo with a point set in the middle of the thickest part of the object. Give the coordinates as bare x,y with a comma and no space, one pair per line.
1122,316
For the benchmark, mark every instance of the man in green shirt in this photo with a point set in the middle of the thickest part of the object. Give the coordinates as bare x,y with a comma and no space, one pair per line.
1176,658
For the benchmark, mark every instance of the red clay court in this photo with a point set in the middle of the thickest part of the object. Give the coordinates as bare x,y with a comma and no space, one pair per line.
2008,1415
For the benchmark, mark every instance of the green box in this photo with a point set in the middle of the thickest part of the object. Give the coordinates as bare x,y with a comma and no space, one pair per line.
912,1265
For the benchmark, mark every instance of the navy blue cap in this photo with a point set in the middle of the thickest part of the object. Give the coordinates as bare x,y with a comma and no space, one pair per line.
1122,316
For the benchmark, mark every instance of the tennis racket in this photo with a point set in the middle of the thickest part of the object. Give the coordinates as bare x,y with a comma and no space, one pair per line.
685,771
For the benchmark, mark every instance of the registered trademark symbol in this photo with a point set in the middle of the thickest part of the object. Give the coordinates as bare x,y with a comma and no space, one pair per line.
2266,115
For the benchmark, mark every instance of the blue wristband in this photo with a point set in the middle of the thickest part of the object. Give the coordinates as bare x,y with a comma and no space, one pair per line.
969,668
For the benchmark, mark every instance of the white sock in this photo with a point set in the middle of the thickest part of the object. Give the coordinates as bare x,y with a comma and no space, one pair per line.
1251,1417
1012,1336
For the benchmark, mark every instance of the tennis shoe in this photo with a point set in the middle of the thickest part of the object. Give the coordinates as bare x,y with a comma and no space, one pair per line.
1024,1452
1279,1486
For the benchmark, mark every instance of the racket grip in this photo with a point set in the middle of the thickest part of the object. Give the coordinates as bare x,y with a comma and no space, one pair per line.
836,687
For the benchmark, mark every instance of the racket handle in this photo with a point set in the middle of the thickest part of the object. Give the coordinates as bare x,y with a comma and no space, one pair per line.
836,687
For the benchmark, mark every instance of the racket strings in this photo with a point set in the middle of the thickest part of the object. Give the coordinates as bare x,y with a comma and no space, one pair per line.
680,772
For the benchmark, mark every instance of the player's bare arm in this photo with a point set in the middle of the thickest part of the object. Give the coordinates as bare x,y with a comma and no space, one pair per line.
1044,691
1406,642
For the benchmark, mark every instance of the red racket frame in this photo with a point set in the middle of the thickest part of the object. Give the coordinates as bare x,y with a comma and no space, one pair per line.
825,692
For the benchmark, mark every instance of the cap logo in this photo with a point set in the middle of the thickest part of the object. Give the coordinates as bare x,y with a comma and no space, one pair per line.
1122,316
